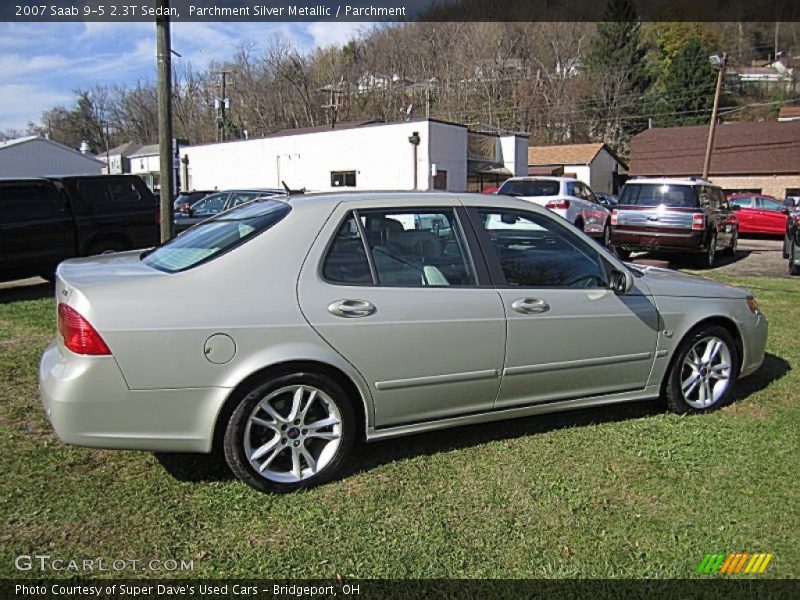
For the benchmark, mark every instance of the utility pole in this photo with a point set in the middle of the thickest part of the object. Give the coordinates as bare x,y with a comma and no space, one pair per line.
163,50
713,125
222,105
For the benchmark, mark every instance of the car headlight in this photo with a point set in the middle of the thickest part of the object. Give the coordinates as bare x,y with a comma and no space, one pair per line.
752,304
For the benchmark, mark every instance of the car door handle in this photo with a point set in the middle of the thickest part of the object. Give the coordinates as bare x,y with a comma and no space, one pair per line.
530,306
351,309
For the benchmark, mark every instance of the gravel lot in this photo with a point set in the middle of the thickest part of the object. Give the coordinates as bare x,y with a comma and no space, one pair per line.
756,257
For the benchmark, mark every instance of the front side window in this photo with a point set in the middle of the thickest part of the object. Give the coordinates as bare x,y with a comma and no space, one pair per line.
535,251
216,236
407,248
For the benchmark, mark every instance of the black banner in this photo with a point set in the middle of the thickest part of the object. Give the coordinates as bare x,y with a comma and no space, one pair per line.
376,589
393,10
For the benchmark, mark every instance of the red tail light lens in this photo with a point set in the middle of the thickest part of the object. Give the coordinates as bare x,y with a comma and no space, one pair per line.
698,222
614,215
559,204
79,336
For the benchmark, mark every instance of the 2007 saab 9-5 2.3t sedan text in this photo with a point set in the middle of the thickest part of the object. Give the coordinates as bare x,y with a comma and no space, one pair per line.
282,329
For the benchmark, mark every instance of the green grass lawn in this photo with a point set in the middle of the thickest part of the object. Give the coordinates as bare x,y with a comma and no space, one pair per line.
626,491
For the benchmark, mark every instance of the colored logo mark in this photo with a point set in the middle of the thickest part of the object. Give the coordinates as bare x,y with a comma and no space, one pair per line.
734,563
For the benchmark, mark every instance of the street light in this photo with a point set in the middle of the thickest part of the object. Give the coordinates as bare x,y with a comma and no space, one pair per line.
720,62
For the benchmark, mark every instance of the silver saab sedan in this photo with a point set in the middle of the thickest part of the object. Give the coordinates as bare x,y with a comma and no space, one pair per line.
282,330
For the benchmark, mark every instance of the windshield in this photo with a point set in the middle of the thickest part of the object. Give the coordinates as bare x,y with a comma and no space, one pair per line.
540,187
216,236
656,194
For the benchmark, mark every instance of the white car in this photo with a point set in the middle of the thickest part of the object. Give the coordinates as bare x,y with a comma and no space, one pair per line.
567,197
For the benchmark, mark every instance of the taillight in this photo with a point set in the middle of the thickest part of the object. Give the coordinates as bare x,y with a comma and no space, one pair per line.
79,336
560,204
614,215
698,222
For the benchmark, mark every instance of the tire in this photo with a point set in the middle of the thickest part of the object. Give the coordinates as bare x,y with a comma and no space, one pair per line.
621,253
579,224
713,370
787,245
708,259
607,235
794,268
731,250
253,433
106,247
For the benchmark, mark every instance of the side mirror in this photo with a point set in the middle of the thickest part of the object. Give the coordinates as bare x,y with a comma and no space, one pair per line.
620,282
735,207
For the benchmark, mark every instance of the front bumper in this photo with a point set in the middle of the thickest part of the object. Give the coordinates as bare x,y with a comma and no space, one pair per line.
89,403
754,343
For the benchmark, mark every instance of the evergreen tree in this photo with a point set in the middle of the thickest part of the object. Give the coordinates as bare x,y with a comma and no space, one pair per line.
618,76
688,86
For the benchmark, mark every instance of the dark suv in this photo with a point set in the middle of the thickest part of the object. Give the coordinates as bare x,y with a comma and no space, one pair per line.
687,216
46,220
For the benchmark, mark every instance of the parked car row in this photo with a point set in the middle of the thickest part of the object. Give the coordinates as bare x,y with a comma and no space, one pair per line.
207,205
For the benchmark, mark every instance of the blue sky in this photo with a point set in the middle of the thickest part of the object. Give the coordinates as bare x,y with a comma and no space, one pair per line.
42,63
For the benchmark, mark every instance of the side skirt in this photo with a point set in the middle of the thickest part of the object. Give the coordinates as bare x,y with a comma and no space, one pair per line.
648,393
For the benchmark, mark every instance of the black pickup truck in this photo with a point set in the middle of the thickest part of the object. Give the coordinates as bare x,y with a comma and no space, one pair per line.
46,220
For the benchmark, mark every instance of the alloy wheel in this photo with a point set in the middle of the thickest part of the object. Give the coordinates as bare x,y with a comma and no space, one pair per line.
293,433
706,372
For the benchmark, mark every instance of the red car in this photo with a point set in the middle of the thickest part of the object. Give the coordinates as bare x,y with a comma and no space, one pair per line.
490,190
758,213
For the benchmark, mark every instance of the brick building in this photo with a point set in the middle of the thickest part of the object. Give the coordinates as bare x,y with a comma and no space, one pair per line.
761,158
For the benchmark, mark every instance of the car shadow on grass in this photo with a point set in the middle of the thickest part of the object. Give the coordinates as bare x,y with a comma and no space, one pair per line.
365,457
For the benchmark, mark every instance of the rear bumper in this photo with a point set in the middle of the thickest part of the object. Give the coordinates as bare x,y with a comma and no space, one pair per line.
88,403
661,242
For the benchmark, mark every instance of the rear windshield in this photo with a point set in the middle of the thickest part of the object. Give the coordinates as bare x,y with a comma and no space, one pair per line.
530,188
216,236
676,196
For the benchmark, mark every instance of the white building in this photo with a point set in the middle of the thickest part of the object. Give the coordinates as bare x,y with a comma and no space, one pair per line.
366,155
593,164
38,157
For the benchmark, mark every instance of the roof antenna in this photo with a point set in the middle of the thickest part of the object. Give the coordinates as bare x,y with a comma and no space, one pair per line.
291,192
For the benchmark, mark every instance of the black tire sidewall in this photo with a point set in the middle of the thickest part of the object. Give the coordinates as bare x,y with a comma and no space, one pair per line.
673,392
234,431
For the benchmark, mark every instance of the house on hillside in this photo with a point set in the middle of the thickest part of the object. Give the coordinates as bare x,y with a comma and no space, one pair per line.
34,156
596,165
761,158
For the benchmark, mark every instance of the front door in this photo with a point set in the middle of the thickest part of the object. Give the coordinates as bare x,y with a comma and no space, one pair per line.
406,310
568,334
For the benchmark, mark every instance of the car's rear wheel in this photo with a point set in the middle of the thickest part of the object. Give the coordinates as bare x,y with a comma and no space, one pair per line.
703,372
607,235
731,250
289,433
794,250
708,259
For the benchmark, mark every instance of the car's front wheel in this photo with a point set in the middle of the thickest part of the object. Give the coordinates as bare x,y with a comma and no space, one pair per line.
794,250
703,372
607,235
291,432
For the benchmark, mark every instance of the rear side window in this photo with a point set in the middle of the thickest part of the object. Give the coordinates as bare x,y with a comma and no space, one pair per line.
544,187
21,203
674,196
111,191
214,237
407,248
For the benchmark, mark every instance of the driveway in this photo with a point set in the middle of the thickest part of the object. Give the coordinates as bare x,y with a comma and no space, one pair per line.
756,257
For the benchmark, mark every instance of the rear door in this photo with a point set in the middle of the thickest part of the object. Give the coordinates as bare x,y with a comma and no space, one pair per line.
569,336
769,216
35,227
401,295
